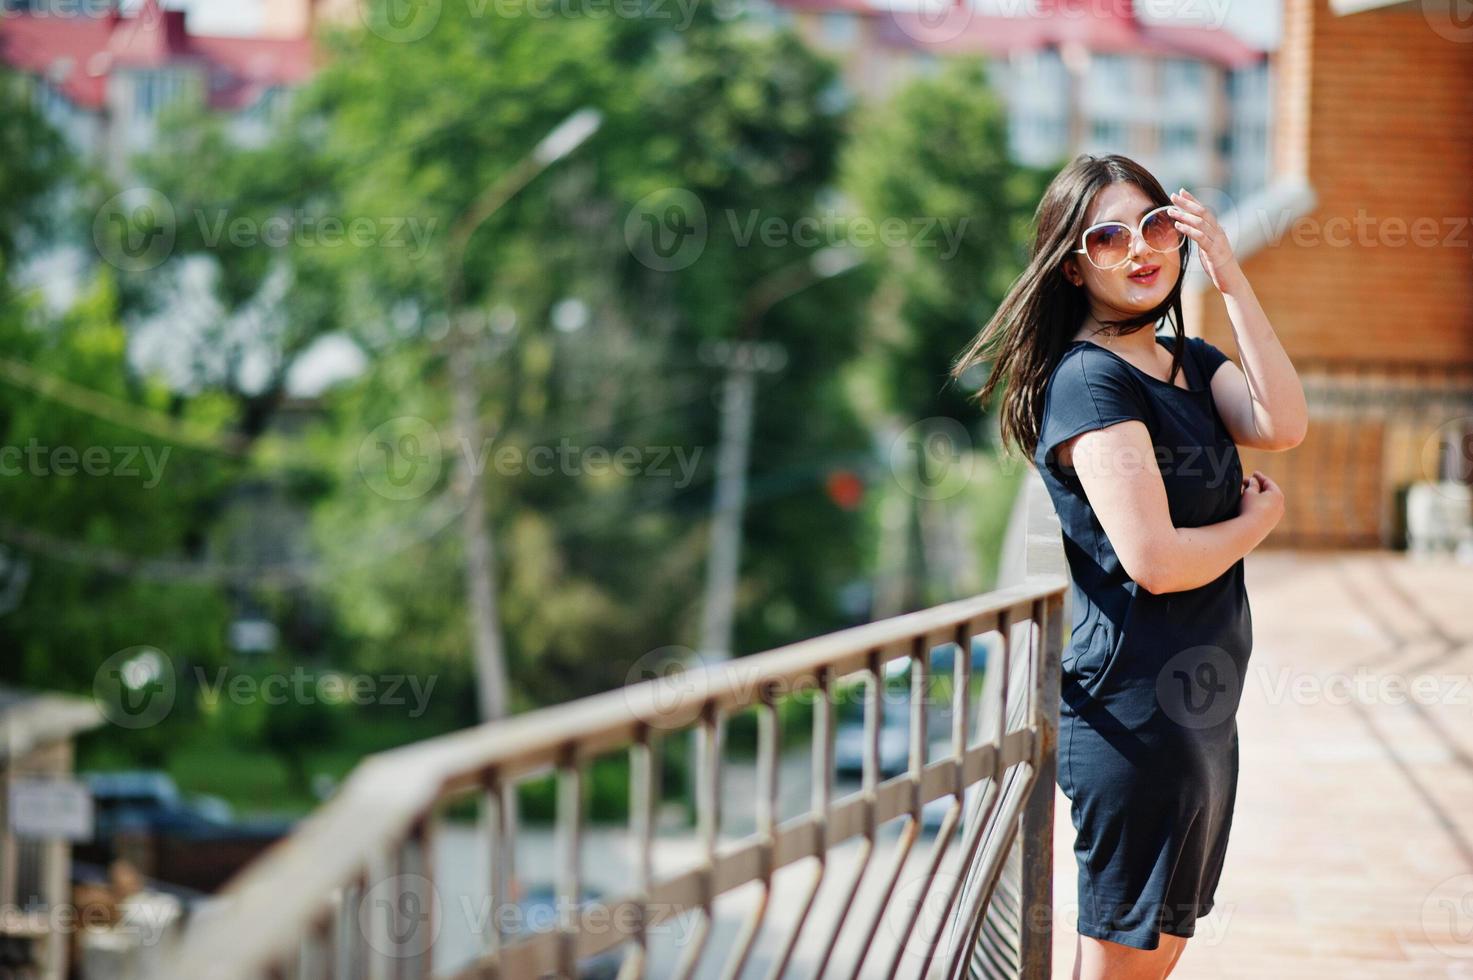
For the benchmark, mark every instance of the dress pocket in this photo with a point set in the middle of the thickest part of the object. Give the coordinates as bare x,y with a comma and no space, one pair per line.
1096,655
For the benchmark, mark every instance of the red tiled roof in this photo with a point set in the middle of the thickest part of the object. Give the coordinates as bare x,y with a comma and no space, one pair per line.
77,53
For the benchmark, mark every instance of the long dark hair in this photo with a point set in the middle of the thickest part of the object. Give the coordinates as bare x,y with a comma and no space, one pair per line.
1043,310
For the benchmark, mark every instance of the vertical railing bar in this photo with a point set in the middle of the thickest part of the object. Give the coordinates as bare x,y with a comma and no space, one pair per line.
1038,811
920,728
1005,629
961,680
822,788
996,679
510,811
319,960
961,700
911,829
356,960
966,867
494,810
972,918
569,825
643,796
920,689
333,927
707,818
9,848
872,721
984,880
404,928
379,931
423,836
766,807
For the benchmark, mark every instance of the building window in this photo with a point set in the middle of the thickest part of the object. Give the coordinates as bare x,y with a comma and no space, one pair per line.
1178,138
839,30
1183,75
1108,134
154,91
1111,72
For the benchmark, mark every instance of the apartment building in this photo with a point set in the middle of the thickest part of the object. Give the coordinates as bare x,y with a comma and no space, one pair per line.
1191,103
102,80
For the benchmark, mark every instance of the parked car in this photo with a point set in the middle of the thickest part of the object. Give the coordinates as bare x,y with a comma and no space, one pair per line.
538,906
894,745
933,813
191,840
942,657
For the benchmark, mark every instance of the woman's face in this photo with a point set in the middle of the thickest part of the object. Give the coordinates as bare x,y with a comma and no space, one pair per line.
1116,293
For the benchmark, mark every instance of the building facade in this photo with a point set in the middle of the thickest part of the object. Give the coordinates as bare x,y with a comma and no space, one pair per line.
1190,103
103,81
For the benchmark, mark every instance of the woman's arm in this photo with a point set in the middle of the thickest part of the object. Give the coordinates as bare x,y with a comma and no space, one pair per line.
1117,467
1262,404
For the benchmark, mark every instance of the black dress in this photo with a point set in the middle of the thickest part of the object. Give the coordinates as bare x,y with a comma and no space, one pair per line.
1148,739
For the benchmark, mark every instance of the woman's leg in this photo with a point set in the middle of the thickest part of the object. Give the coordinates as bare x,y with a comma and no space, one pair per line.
1178,943
1101,959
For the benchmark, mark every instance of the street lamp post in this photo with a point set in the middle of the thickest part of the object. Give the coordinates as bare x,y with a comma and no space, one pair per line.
742,361
480,568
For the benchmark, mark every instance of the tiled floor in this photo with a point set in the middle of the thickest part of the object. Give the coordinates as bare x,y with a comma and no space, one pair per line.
1352,845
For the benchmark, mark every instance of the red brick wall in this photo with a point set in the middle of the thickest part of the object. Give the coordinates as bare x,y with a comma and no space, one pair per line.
1375,109
1380,108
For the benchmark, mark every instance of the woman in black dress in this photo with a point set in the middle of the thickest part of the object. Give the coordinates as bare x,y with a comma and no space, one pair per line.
1135,436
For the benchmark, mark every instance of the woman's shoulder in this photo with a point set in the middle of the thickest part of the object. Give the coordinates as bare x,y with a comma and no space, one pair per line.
1088,388
1085,366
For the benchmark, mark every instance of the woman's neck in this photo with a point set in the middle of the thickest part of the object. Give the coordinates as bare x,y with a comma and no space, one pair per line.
1142,341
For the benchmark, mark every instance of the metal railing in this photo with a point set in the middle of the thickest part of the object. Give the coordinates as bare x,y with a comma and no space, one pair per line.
353,892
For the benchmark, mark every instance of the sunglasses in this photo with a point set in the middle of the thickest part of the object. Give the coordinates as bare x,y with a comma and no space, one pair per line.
1107,244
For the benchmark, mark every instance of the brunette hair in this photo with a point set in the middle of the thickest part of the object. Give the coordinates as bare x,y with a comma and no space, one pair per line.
1043,310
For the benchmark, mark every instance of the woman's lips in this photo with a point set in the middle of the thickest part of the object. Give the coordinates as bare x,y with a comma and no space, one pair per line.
1148,278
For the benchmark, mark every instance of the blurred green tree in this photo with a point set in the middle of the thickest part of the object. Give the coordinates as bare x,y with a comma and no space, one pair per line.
937,151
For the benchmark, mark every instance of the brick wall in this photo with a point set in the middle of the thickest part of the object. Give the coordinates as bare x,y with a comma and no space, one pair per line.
1375,109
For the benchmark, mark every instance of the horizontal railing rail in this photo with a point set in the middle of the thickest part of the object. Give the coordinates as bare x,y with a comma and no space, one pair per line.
355,891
